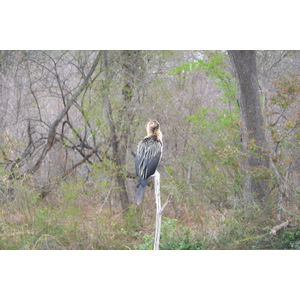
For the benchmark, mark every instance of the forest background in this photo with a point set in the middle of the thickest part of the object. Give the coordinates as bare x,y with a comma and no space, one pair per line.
70,124
150,26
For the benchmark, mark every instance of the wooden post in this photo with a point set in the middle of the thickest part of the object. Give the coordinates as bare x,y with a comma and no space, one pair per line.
159,209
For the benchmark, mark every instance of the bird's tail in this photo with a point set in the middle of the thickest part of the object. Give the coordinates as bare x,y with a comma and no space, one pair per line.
141,188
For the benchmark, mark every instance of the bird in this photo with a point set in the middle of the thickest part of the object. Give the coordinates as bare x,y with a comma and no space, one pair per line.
149,152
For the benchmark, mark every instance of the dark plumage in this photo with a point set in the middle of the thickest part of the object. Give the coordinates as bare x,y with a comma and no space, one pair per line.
148,155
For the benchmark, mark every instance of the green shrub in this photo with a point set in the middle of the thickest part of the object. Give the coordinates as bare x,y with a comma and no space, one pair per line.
174,237
289,240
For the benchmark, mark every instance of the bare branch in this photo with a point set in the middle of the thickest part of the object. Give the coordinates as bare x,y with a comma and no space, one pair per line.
159,209
94,150
276,228
53,126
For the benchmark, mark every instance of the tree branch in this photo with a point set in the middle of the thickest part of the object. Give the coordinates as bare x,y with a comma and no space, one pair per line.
53,126
94,150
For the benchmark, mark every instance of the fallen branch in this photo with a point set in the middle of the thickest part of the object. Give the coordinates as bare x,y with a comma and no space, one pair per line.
276,228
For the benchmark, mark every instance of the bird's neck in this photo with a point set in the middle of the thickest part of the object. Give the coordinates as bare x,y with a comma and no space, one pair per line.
157,133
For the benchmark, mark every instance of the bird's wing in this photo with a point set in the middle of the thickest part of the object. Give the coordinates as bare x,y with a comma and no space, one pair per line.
147,158
152,165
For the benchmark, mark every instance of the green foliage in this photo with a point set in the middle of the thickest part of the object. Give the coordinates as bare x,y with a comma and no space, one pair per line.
214,64
290,239
132,218
178,237
213,159
215,119
174,237
283,240
249,229
69,192
288,90
29,223
215,166
68,223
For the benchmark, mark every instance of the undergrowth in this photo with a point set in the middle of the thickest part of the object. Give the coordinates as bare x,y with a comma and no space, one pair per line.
74,219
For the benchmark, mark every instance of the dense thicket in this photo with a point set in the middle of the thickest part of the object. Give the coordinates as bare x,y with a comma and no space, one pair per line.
70,123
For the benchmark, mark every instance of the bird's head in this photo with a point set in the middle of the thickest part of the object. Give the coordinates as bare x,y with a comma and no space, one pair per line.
153,127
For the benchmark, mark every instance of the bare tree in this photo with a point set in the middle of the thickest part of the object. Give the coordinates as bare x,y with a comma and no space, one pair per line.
59,117
49,90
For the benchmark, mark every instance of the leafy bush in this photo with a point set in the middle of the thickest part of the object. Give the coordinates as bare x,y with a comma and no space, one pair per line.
174,237
289,240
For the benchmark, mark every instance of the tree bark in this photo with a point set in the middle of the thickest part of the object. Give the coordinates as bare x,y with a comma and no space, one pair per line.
253,134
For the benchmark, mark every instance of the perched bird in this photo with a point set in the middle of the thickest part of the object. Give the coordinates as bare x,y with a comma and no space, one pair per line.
149,151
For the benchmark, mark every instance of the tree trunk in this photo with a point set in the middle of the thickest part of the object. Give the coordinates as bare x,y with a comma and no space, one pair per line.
120,120
118,149
253,134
